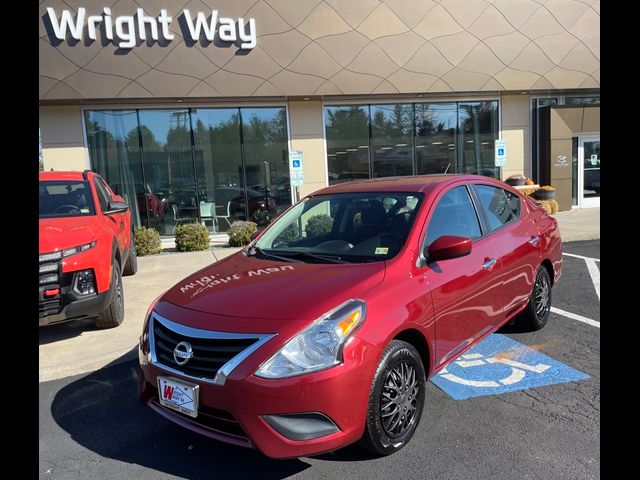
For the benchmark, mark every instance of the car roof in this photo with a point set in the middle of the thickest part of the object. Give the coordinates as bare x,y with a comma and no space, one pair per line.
414,183
65,175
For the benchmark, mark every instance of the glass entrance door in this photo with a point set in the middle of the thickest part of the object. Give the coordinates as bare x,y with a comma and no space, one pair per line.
589,171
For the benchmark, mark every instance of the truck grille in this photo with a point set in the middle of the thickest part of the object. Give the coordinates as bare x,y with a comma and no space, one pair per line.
49,279
215,354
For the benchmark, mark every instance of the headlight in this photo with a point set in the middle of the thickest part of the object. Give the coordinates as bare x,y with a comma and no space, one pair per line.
318,346
72,251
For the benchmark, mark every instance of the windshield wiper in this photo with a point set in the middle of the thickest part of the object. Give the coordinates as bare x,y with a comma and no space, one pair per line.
326,258
253,250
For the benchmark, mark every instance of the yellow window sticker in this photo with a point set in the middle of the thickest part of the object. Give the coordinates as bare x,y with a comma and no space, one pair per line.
382,250
84,210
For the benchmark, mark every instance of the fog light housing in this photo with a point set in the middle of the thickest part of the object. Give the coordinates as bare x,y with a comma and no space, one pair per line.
301,426
84,282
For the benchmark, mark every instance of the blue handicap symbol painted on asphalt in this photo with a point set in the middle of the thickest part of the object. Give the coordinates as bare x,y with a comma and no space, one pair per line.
500,365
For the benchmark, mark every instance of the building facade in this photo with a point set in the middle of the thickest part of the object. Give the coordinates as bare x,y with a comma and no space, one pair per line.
192,110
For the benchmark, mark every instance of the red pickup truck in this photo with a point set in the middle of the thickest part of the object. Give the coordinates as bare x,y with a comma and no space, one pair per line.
86,245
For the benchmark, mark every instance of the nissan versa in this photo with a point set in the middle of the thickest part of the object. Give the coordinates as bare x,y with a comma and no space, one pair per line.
324,330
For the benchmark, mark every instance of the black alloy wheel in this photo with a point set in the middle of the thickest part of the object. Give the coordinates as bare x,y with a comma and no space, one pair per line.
396,399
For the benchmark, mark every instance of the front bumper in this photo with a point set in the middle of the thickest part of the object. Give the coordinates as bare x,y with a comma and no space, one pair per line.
235,412
73,307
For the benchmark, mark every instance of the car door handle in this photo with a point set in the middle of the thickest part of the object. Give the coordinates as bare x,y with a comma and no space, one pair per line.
534,240
121,224
489,263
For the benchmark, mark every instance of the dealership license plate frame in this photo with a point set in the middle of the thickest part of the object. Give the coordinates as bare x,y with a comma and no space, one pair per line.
189,390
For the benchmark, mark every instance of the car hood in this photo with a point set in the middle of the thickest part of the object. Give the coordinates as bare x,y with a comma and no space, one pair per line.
60,233
255,288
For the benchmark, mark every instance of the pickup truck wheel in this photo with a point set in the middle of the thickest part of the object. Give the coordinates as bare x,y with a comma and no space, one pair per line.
396,399
536,315
131,267
114,314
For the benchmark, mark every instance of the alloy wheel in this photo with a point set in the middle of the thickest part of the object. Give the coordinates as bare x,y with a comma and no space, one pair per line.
399,402
542,290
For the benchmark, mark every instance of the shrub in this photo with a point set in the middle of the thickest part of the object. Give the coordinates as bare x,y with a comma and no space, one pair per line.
240,233
319,225
191,237
288,235
147,241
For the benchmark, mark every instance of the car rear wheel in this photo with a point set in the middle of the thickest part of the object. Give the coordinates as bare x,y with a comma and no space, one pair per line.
536,315
131,267
396,399
114,313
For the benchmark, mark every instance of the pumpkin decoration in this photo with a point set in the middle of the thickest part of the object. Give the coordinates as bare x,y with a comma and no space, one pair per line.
528,181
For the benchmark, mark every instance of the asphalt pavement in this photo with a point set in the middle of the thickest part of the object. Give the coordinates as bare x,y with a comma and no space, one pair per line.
92,427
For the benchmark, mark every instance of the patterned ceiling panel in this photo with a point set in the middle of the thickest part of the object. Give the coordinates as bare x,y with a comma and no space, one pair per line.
331,47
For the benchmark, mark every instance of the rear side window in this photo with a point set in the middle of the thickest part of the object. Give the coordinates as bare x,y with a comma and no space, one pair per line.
454,215
103,195
501,207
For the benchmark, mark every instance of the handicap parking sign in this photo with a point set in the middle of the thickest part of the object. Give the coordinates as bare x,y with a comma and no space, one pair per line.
501,151
498,365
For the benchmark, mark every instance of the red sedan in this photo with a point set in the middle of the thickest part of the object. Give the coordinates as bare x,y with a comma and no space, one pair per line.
325,329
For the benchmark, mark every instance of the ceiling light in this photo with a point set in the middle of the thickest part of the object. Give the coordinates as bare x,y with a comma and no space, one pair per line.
436,143
363,146
352,149
306,98
419,146
386,148
401,144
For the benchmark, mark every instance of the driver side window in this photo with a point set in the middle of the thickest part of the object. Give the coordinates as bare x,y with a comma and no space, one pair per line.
454,215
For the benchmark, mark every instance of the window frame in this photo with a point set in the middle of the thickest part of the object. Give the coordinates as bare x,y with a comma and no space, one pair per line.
480,205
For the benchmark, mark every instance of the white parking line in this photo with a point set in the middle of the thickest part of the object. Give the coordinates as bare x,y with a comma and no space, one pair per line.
580,256
595,275
574,316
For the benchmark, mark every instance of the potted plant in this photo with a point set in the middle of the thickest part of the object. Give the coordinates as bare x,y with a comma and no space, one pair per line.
516,180
545,192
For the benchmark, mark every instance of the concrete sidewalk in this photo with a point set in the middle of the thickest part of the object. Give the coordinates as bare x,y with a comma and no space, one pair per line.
579,224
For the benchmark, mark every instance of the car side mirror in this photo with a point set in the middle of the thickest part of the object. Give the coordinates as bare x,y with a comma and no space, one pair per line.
117,207
448,246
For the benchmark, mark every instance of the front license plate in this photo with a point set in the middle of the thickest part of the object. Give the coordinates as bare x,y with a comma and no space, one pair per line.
178,395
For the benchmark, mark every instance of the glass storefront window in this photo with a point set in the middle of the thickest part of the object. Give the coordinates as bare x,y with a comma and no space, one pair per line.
582,100
407,139
168,167
477,131
436,137
213,165
216,138
347,131
114,149
266,162
391,139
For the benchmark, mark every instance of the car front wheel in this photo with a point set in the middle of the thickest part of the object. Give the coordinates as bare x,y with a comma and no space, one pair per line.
396,399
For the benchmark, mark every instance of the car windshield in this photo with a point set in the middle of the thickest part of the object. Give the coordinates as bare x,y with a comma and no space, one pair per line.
65,198
341,228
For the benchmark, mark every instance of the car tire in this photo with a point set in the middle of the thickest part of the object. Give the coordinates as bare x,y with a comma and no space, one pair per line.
131,267
114,313
396,399
536,315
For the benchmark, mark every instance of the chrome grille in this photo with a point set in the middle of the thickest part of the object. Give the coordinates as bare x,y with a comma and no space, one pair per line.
215,354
